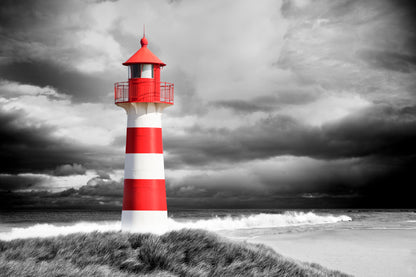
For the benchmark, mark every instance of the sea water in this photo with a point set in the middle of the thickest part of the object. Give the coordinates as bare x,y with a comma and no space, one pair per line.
238,223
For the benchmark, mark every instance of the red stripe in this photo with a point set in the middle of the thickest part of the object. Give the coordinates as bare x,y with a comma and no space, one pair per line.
144,195
144,140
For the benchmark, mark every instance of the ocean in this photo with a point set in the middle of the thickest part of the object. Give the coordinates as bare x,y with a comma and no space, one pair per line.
359,242
21,224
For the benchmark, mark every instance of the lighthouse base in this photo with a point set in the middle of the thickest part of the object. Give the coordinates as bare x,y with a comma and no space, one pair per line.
144,221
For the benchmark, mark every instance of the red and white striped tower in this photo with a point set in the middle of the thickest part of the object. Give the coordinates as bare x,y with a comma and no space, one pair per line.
144,97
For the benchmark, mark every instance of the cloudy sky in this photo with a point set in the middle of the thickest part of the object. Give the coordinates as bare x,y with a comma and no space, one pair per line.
278,104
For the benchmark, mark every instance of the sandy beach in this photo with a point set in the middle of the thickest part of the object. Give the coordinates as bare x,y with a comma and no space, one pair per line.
380,252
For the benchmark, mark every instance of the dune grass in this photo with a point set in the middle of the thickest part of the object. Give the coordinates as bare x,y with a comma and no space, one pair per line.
178,253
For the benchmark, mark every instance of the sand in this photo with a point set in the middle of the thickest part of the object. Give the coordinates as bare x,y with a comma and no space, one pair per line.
384,252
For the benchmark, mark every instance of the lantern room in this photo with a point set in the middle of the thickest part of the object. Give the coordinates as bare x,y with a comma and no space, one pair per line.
144,79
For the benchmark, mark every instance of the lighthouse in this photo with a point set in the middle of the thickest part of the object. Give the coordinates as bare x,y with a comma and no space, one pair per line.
144,98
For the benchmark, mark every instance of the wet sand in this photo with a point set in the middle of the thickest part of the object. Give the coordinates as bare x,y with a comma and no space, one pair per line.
381,252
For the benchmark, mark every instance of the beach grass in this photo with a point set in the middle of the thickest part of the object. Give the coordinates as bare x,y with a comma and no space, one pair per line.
177,253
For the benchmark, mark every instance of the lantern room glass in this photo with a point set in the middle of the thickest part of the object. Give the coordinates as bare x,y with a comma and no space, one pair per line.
141,71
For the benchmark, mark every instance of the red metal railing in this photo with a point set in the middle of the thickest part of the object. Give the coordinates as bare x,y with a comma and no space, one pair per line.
144,91
121,92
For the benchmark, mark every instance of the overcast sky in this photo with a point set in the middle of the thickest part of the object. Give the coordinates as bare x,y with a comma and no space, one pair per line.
278,104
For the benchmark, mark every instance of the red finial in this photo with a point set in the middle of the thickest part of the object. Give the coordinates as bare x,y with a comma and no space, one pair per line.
144,41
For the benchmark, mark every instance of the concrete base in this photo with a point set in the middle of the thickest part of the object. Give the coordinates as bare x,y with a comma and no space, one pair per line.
144,221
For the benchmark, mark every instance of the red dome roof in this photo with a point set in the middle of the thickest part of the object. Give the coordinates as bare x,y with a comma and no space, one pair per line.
144,55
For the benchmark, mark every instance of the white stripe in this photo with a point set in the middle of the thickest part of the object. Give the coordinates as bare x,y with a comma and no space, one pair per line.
144,221
145,120
144,166
144,115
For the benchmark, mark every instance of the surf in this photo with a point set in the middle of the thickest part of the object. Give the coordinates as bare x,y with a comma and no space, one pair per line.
251,221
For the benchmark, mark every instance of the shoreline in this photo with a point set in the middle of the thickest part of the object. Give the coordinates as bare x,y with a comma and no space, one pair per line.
361,252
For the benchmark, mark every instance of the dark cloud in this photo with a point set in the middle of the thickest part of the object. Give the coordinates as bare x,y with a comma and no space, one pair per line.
185,94
362,160
9,182
389,60
350,9
102,187
242,106
33,148
359,183
335,45
383,130
268,103
23,147
30,28
270,202
35,49
378,131
97,194
100,1
102,174
69,169
82,87
365,50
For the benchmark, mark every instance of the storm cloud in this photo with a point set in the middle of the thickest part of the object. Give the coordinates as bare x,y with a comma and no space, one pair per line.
98,193
376,131
285,104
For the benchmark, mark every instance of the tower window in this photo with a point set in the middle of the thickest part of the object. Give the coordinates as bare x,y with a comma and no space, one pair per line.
135,71
146,70
141,71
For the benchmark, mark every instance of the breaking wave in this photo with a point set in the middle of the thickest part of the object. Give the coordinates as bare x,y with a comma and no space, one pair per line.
50,230
261,220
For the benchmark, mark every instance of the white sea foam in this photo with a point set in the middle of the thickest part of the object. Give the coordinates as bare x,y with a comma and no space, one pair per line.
49,230
261,220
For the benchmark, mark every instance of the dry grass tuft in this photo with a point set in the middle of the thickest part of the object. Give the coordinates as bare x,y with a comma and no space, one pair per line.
178,253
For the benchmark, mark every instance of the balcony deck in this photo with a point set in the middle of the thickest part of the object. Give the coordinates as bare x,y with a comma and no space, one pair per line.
124,93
